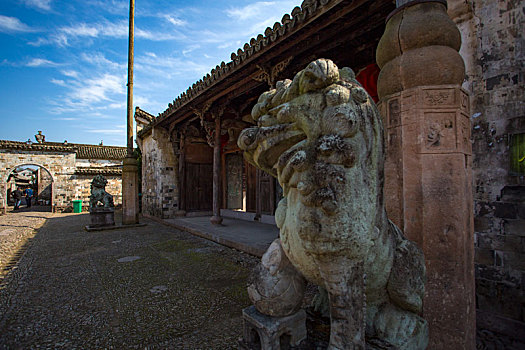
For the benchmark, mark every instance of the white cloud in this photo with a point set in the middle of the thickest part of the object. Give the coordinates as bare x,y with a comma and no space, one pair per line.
190,49
66,119
168,66
175,21
58,82
39,4
100,60
257,16
117,105
120,7
81,29
249,11
13,24
116,130
64,35
41,62
98,89
70,73
89,96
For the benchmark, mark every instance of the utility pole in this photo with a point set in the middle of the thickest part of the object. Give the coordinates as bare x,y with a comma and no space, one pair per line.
131,47
130,203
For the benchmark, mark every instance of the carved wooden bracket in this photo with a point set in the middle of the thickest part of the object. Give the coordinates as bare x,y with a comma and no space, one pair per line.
201,112
269,74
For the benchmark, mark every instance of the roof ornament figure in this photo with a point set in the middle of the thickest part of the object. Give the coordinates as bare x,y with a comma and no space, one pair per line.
40,138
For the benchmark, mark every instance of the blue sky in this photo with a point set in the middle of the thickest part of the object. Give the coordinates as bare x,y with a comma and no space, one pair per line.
63,63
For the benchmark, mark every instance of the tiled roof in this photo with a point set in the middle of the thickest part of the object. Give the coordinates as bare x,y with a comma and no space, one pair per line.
83,151
100,152
55,147
99,171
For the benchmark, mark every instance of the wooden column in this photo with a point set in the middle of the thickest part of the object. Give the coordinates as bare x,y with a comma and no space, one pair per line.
216,219
182,174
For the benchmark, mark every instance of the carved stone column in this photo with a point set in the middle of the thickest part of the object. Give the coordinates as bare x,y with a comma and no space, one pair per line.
216,219
428,171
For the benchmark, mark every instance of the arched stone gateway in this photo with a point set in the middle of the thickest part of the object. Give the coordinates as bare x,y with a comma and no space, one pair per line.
41,182
59,163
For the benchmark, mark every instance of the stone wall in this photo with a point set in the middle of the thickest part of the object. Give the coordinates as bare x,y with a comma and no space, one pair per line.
494,50
159,175
60,165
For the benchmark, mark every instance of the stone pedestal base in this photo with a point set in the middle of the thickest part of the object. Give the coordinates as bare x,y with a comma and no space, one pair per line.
267,332
102,217
216,220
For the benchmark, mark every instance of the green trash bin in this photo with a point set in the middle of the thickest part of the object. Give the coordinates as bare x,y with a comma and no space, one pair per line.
77,206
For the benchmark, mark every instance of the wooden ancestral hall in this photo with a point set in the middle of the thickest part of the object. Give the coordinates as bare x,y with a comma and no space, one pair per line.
207,118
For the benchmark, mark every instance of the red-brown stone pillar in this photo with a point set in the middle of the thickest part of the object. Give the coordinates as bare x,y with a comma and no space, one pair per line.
428,178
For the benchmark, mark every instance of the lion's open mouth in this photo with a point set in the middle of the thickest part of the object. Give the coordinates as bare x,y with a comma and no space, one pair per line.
268,143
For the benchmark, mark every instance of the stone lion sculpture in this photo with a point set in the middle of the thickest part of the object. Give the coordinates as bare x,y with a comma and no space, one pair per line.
99,194
322,137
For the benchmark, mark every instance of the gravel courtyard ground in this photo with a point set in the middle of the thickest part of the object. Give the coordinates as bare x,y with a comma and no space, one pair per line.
147,287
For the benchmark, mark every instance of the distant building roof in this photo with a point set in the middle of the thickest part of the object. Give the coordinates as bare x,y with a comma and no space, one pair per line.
100,152
83,151
99,171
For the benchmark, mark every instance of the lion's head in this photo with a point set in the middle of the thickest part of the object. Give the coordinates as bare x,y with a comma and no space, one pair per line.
99,181
321,135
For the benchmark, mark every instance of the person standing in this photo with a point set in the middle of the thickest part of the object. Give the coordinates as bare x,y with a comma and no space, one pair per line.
29,194
17,195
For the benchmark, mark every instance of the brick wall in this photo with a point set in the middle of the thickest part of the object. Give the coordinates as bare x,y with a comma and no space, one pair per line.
82,189
494,50
159,175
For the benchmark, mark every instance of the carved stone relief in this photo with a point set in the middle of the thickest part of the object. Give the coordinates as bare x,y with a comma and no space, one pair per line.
440,132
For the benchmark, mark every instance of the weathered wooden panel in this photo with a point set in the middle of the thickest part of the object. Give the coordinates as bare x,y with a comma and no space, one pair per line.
198,153
234,181
265,193
251,188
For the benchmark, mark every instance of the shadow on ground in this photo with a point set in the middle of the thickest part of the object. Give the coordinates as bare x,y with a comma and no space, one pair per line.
149,286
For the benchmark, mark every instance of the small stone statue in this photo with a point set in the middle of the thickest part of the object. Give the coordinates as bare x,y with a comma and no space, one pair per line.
99,197
40,138
322,137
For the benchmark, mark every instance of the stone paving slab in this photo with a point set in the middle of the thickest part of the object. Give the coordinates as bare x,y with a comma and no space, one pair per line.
17,229
148,287
251,237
